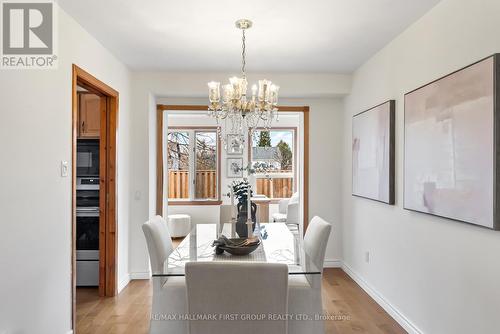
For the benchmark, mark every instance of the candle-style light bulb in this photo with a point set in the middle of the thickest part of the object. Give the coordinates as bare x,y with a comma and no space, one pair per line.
233,80
228,92
243,86
273,94
236,83
263,89
267,97
214,91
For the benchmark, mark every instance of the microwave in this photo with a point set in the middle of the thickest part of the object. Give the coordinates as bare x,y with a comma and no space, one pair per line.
87,157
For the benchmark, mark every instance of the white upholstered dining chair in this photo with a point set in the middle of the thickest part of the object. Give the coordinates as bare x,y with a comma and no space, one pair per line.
169,294
288,212
246,289
304,292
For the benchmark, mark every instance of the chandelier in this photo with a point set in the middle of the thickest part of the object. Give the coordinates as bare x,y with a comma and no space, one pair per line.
241,115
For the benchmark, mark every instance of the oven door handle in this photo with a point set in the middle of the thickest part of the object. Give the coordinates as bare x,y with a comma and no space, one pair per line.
87,212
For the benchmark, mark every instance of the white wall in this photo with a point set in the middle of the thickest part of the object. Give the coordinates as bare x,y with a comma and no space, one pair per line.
442,275
35,202
320,91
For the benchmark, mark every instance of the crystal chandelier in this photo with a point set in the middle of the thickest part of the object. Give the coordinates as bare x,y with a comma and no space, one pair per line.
238,114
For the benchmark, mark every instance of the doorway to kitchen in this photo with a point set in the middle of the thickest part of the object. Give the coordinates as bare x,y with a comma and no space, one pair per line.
94,201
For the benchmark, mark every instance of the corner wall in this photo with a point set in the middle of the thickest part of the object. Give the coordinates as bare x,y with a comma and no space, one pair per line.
35,201
441,276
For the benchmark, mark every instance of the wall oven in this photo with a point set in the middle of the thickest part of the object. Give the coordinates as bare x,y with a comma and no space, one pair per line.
87,231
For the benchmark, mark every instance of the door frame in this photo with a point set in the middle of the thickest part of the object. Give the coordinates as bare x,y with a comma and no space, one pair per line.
107,183
160,108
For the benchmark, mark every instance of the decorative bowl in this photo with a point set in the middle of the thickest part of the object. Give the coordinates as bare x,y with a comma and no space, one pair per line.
240,250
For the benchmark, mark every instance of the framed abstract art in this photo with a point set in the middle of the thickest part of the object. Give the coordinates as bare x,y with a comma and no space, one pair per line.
452,145
373,153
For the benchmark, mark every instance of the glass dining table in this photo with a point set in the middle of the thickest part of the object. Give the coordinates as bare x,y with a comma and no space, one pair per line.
278,245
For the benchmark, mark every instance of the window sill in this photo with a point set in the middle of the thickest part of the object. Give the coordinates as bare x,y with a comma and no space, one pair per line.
214,202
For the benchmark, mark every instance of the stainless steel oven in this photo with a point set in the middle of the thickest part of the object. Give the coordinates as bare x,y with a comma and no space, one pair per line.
87,231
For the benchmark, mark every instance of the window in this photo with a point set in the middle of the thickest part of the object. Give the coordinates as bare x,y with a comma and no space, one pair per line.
206,165
273,158
178,164
193,165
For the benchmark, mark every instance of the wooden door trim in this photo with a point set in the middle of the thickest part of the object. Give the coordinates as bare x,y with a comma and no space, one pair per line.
108,184
159,150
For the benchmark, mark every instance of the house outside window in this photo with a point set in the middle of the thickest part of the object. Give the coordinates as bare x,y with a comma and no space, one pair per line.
273,158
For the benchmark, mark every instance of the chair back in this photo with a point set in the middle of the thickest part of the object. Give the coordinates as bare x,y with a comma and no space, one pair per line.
292,211
224,216
159,242
282,205
246,289
316,239
294,198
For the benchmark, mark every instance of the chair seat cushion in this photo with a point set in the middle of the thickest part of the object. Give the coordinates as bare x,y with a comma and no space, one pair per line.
298,282
294,228
279,217
175,282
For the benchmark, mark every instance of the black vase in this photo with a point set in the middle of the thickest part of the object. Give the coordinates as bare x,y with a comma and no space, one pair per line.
241,223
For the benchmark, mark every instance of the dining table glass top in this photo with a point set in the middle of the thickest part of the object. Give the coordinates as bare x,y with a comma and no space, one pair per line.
278,245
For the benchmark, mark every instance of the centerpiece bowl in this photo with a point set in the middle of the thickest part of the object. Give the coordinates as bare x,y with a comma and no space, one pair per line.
236,246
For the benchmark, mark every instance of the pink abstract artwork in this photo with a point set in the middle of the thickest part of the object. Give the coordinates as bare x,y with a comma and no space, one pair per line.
373,153
449,146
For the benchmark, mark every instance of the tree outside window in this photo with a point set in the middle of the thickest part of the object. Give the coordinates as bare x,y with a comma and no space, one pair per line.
192,159
273,159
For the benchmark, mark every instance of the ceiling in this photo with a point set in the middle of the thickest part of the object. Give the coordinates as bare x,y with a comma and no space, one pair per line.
288,35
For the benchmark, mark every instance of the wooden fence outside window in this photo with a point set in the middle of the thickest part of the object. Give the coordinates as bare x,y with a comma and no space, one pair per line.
206,185
281,187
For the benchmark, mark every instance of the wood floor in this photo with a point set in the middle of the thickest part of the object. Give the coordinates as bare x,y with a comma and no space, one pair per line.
129,311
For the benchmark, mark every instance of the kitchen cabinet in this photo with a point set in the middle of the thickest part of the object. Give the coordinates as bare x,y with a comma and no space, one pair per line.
89,115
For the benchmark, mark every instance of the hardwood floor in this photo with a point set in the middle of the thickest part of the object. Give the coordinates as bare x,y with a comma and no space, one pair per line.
343,296
129,311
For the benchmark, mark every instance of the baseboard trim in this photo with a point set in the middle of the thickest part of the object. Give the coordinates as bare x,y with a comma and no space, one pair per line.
124,282
332,263
140,275
384,303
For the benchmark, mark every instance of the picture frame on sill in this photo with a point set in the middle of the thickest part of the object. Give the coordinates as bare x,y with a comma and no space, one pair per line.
234,167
